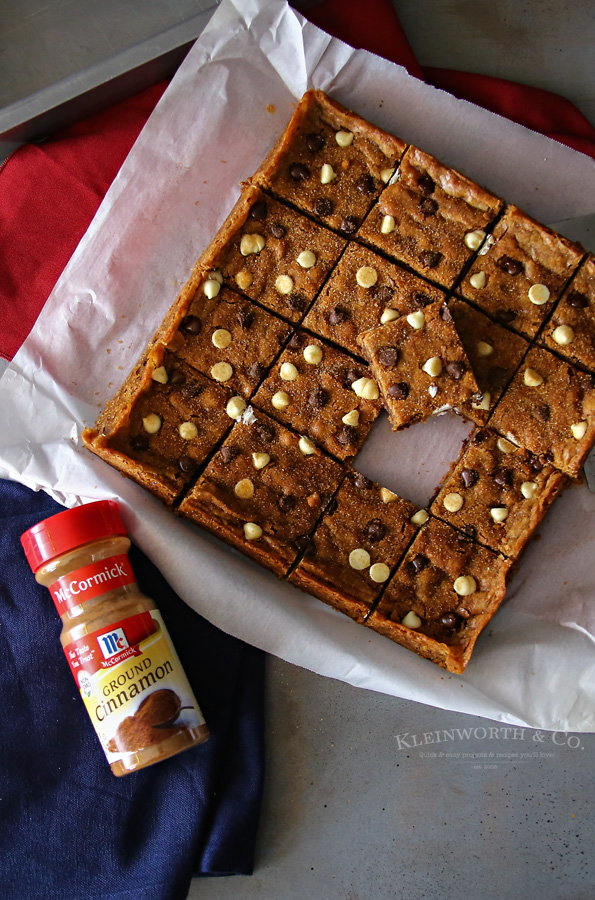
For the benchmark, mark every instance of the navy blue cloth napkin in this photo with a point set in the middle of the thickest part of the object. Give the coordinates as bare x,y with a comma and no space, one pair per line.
69,829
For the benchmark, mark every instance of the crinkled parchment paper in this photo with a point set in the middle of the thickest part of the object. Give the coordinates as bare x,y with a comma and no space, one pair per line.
535,664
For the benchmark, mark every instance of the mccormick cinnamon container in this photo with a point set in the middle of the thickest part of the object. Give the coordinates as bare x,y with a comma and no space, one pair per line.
129,675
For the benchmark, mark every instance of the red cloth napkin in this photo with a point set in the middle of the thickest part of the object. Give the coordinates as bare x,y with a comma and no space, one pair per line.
50,192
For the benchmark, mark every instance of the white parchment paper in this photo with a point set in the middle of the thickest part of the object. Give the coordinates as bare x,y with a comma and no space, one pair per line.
233,95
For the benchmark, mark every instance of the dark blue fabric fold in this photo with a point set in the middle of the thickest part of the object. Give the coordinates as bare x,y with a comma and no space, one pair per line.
69,829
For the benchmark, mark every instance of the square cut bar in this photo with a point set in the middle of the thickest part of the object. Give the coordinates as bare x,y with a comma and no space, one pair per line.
364,291
549,408
262,494
330,163
162,424
431,218
420,365
230,339
272,254
571,329
520,272
322,392
494,353
361,538
442,595
497,493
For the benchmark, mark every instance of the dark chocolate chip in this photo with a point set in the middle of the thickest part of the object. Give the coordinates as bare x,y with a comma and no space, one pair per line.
505,315
420,299
318,398
375,530
245,318
504,477
338,315
191,389
383,293
428,206
299,172
296,340
265,432
259,211
430,258
314,142
534,463
191,324
177,377
227,452
449,620
365,184
456,369
286,502
256,371
426,184
305,545
278,230
186,464
445,313
347,434
362,482
296,302
323,207
542,412
349,376
140,442
350,224
577,300
418,563
388,357
469,477
399,391
509,265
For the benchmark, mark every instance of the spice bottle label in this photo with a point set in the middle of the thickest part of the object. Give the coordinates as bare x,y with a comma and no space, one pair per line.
91,581
133,685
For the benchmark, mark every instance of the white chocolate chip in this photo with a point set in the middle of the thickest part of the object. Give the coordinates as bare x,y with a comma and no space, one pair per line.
235,407
211,288
465,585
351,418
221,371
579,429
453,502
366,277
499,514
532,378
280,400
188,431
216,275
411,620
417,320
313,354
433,366
484,349
529,490
487,244
252,531
366,388
387,496
386,175
478,281
379,572
539,294
388,315
260,460
505,446
284,284
288,372
152,423
221,338
306,446
474,239
251,243
420,517
244,279
387,225
484,403
306,259
327,174
160,375
359,558
244,489
344,138
563,335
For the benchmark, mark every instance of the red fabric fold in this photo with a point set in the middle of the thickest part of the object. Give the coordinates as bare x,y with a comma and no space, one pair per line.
49,192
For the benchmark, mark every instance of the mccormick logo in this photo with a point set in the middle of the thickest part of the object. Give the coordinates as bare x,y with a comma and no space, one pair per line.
91,581
112,642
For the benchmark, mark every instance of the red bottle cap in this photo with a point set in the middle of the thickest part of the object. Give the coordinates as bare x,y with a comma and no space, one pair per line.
70,529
